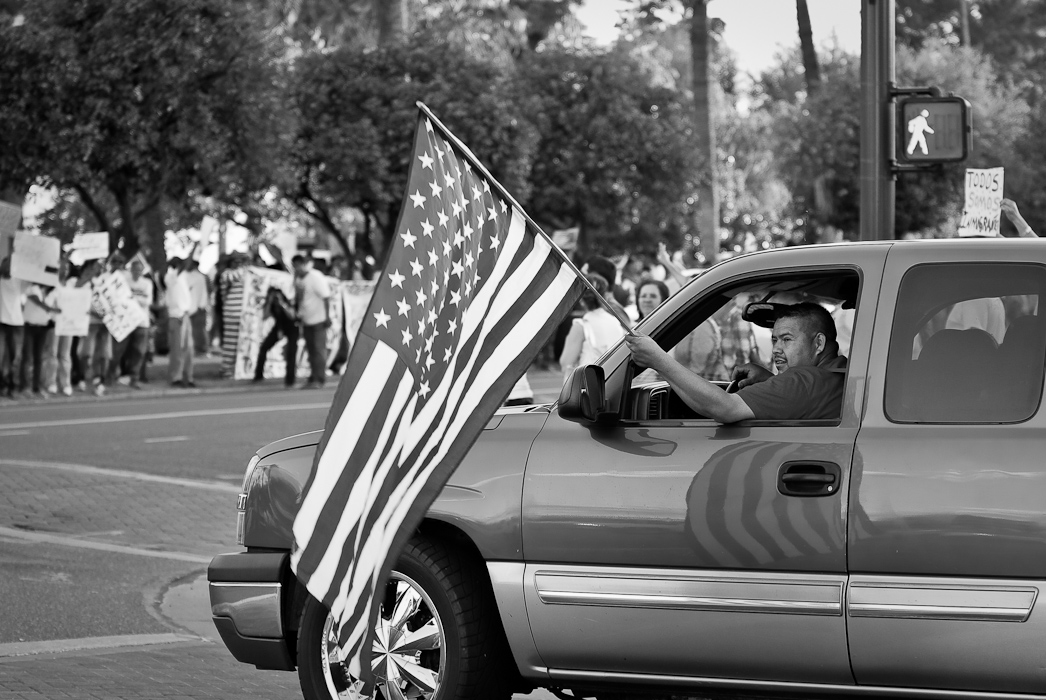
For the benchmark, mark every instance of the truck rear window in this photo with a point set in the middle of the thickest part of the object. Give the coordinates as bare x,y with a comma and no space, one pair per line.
968,344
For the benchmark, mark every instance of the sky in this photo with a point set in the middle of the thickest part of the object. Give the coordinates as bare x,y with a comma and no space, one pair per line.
755,29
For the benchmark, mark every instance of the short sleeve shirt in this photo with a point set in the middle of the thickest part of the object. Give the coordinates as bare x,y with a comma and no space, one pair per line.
12,298
800,393
312,291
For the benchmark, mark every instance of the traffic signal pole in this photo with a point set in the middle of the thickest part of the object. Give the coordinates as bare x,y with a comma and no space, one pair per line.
878,75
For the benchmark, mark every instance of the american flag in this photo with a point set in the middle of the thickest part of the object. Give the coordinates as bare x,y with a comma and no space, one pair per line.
471,291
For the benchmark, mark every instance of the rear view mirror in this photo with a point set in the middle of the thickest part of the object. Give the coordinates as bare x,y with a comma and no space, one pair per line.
583,395
761,313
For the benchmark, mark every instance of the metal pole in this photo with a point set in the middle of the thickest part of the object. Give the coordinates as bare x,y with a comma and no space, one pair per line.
877,128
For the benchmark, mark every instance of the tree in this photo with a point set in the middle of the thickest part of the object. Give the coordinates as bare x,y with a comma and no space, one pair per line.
806,43
357,117
616,155
134,103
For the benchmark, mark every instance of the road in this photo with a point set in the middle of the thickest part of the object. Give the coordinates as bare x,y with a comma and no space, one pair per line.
109,513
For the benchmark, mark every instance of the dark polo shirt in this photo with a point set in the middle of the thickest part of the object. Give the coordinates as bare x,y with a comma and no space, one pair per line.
799,393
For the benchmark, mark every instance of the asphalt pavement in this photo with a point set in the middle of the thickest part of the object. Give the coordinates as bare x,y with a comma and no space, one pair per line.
110,509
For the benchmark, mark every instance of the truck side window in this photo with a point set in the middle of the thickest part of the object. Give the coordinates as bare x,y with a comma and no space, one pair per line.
968,344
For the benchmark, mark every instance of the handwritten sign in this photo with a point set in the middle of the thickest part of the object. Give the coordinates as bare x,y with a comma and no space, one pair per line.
73,303
10,215
89,246
121,314
980,216
35,259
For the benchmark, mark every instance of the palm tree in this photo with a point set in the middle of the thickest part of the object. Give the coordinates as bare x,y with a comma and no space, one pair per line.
707,219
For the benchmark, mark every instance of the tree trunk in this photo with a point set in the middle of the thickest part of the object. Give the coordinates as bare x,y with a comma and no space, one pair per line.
964,21
391,16
151,241
806,43
15,198
707,220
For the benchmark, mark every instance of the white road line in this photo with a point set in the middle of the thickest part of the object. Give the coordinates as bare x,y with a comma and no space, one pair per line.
173,438
100,420
12,650
123,474
15,534
13,433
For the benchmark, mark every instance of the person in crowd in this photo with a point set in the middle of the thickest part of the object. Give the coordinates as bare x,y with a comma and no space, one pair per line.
200,291
96,348
38,313
605,268
808,384
312,295
230,287
700,351
179,322
676,275
738,340
278,307
138,340
592,334
12,328
650,293
59,370
1024,230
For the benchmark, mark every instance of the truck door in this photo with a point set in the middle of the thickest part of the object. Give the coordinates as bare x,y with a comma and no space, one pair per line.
947,526
666,545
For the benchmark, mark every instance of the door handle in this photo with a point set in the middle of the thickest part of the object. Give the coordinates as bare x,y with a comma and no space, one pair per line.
809,478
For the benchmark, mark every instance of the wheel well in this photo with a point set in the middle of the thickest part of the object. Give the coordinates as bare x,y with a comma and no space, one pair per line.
432,530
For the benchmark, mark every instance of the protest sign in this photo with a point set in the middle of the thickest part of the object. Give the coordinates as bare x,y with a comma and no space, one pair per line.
10,215
121,314
348,304
74,304
980,216
35,258
89,246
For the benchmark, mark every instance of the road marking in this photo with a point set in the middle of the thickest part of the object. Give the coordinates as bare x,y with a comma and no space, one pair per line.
100,420
175,438
15,534
13,433
123,474
12,650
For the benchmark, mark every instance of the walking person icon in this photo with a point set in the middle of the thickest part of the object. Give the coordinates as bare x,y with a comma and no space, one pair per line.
918,127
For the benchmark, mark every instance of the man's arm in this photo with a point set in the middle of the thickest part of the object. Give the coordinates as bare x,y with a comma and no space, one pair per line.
699,394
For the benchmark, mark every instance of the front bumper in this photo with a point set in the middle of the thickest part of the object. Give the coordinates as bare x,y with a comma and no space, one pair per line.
247,592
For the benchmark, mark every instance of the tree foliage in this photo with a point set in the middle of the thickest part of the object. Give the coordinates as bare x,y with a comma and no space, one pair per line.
133,102
615,156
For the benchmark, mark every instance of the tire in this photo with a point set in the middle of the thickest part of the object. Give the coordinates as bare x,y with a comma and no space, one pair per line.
464,656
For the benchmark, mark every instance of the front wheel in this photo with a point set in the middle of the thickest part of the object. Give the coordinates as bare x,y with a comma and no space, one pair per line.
436,635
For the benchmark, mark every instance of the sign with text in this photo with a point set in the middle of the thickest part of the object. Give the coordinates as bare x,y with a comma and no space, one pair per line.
35,258
933,130
74,304
89,246
121,314
980,214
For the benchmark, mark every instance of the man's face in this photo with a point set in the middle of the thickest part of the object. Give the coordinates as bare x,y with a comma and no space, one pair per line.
300,269
136,269
794,346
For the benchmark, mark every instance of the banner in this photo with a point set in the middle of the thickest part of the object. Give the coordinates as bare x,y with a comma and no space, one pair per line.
121,314
10,215
35,259
74,304
980,216
89,246
348,304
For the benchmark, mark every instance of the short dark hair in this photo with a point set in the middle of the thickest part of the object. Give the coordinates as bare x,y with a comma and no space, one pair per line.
814,317
298,258
604,267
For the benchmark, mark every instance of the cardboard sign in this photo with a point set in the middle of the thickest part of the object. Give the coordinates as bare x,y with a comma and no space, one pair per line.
89,246
74,304
121,314
980,215
10,215
35,259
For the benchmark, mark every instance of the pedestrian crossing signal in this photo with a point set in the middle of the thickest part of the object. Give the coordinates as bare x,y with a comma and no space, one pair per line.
933,130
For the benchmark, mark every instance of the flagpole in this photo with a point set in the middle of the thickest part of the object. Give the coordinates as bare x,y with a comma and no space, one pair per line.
625,323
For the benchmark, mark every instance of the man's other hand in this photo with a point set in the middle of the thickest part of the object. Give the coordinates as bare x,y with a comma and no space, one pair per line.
749,374
645,351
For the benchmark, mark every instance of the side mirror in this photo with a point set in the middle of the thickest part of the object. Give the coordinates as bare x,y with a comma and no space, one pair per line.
583,397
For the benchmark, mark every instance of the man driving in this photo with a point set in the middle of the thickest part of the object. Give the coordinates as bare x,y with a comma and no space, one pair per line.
808,384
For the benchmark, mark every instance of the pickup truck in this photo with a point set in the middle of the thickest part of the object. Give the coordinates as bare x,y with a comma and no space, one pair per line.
616,544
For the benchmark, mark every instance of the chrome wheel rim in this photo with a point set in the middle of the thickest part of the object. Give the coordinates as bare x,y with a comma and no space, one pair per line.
407,656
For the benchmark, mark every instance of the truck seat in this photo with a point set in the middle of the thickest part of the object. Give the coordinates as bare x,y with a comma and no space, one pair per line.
955,373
